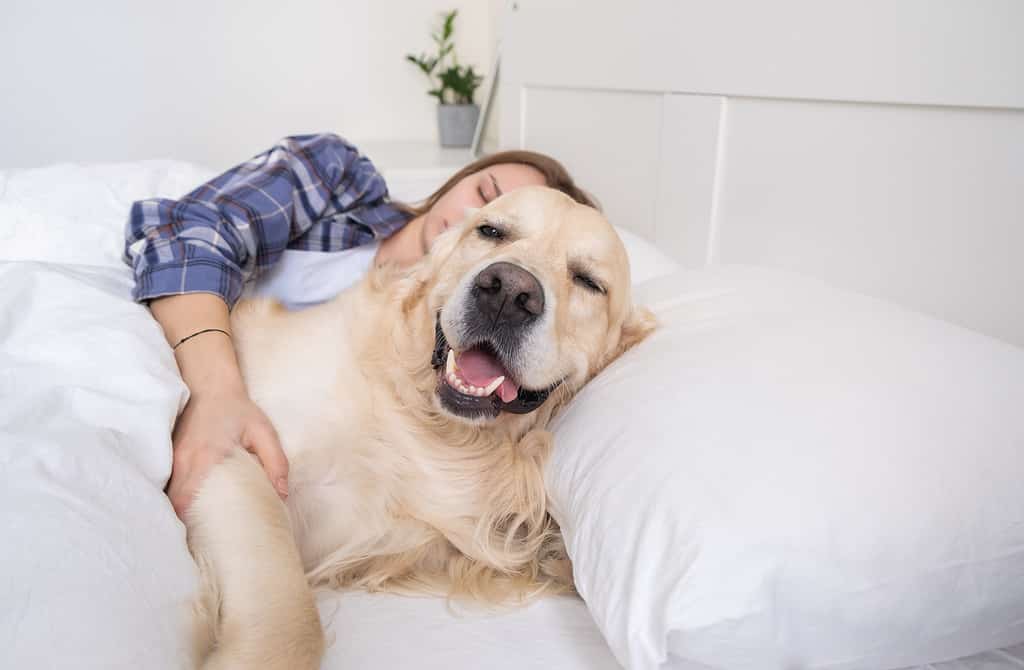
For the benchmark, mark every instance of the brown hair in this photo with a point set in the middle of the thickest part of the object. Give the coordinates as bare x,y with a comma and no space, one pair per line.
555,176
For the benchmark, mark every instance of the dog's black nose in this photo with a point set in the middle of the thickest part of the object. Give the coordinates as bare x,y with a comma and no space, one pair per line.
506,294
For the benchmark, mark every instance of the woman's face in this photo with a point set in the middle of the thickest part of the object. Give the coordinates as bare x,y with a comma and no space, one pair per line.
475,190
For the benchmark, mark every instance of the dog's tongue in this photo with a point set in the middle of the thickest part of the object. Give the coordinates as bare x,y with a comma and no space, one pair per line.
480,369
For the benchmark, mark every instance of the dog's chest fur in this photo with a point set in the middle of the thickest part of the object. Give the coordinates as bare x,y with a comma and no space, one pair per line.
366,479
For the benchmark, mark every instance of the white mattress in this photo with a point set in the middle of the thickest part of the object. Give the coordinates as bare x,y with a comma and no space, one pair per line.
93,567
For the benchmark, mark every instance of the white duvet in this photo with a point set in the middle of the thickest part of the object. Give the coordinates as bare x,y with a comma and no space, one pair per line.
94,572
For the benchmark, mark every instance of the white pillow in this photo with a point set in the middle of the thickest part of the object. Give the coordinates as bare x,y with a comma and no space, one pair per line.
790,476
646,261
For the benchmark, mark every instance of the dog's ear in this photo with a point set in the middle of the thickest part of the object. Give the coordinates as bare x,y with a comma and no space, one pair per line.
441,248
640,323
444,244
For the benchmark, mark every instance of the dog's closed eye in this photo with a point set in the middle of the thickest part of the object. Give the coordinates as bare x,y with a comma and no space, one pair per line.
588,282
582,273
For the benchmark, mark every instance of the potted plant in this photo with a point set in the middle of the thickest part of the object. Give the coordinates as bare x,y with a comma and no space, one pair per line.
453,85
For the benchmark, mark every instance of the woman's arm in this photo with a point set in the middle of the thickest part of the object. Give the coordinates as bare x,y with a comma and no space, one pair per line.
192,256
208,358
219,416
312,192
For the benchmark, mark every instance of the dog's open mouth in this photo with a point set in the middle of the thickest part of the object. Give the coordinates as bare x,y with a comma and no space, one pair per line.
475,383
478,372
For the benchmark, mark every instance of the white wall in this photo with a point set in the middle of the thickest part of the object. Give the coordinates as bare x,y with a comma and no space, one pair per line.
883,156
216,81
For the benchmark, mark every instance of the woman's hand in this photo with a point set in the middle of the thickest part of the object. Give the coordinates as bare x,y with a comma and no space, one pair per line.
216,420
219,415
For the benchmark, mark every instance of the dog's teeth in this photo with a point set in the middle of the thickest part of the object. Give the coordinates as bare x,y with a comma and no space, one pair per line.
493,386
450,370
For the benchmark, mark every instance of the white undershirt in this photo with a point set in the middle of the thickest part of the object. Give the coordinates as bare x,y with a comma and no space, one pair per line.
304,278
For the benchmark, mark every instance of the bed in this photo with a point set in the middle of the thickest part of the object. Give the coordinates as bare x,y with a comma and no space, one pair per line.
83,366
721,137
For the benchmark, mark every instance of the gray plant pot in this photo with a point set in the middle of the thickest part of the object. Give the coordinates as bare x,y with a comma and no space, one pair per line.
456,124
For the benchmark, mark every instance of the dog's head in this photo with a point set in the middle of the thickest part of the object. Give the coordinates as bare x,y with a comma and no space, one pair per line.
528,296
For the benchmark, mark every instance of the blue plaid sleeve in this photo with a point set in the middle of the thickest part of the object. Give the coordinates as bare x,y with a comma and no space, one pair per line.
313,192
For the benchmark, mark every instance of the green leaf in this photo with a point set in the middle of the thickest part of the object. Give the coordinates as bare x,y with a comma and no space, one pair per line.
449,23
460,81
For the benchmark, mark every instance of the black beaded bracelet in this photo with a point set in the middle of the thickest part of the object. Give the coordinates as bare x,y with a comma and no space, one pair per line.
200,332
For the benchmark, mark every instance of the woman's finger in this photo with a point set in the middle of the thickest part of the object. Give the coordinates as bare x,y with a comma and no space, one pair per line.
261,439
179,496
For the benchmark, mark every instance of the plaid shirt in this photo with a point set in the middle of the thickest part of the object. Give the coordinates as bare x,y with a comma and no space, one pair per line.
311,192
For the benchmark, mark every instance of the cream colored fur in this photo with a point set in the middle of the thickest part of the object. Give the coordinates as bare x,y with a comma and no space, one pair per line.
388,490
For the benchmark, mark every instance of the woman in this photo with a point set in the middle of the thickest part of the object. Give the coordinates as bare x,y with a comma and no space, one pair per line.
193,256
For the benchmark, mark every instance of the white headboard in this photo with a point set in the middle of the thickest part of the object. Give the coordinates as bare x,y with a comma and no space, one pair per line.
878,145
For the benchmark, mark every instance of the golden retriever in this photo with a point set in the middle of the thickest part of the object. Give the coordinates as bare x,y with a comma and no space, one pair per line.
412,409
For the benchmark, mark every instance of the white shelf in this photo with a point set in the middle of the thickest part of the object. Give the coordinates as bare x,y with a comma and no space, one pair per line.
414,156
414,170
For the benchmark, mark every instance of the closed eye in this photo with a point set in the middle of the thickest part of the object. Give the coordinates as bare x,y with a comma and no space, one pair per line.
587,282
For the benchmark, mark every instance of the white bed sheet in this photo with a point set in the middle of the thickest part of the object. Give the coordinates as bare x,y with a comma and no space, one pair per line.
378,631
93,568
